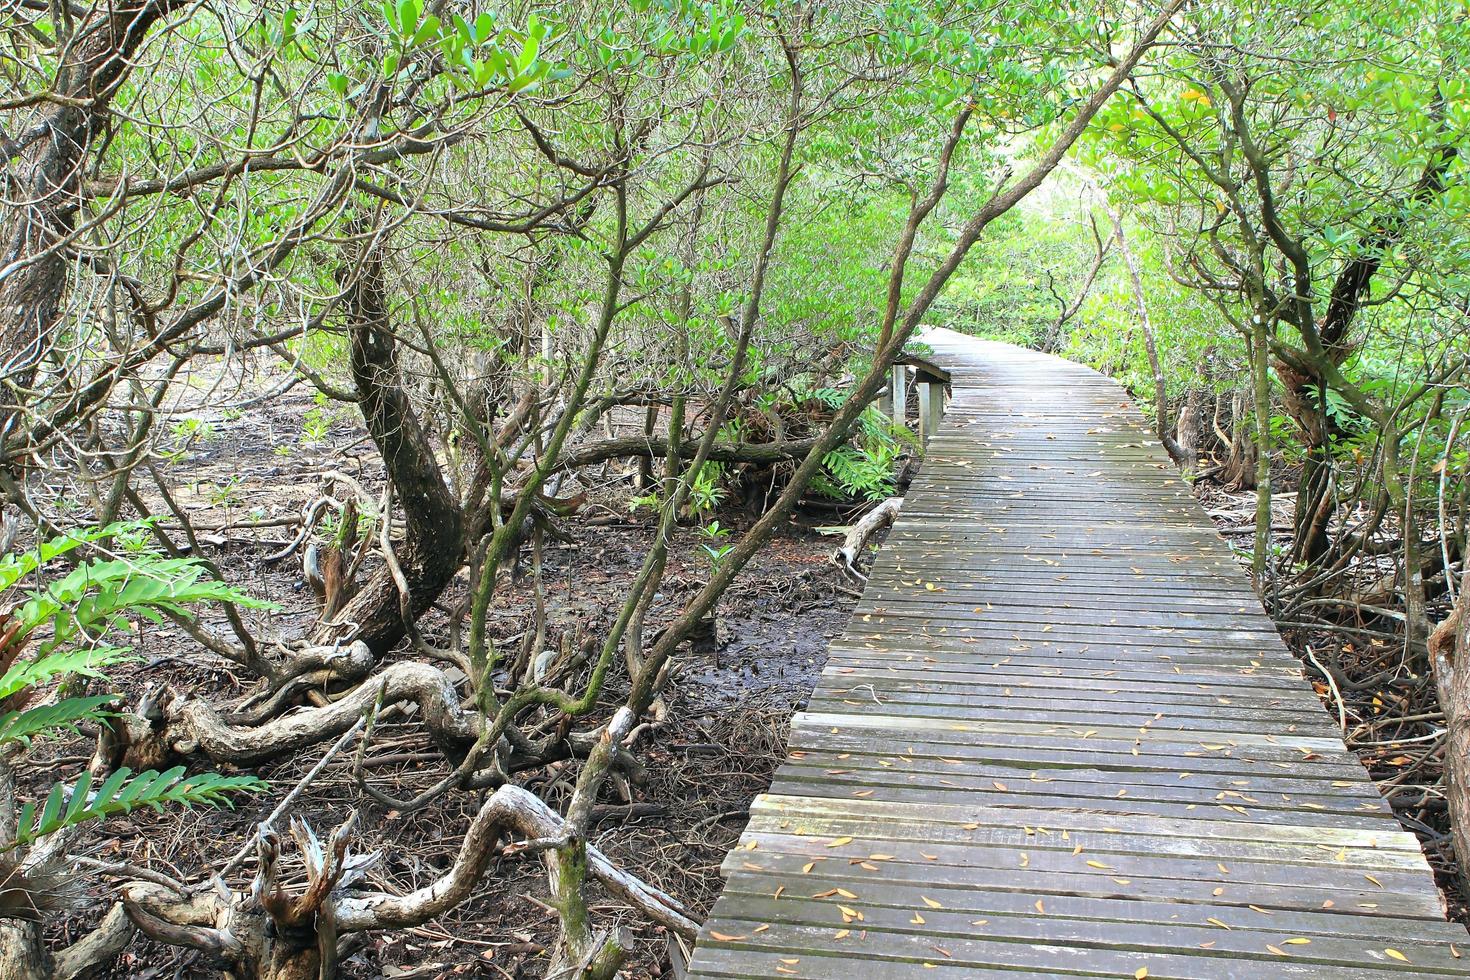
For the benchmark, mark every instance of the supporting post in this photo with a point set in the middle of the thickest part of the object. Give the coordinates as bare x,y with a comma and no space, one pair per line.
898,391
931,409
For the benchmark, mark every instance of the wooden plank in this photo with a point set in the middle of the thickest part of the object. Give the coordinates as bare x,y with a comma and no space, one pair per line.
1060,737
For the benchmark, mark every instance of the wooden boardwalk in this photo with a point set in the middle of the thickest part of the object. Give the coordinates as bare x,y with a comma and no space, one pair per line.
1061,738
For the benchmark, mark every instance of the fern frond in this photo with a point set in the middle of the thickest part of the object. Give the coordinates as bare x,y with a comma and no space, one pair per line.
52,719
97,594
861,472
15,566
122,793
85,662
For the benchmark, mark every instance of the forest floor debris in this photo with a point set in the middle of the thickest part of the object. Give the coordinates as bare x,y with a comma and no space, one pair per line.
1391,713
722,737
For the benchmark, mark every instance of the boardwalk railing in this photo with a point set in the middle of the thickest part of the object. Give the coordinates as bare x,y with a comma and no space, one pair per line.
1061,738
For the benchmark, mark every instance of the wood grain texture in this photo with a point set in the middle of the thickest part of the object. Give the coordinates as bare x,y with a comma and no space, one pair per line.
1060,737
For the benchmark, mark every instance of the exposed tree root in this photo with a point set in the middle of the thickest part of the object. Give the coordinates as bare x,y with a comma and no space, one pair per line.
23,955
875,520
275,933
195,724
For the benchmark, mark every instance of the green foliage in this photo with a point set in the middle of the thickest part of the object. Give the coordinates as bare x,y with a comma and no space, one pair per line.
1005,291
56,634
1262,181
186,433
98,595
316,425
650,501
52,719
714,545
122,793
705,492
866,466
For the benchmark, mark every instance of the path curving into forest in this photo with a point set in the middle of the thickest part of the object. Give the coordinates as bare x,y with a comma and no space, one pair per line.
1060,737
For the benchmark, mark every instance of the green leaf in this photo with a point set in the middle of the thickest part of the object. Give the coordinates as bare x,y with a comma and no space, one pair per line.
408,17
53,719
427,30
122,793
84,662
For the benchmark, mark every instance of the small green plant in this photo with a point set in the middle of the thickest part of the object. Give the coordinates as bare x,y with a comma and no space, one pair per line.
865,467
225,494
330,527
651,500
134,540
316,425
186,433
191,428
705,492
715,546
55,644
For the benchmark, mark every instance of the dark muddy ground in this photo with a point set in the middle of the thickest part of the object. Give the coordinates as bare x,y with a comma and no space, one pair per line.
727,717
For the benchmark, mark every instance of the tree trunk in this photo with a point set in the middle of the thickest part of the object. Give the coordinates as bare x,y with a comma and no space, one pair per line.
1261,399
1305,389
44,174
1240,460
22,954
1187,428
1449,649
434,542
1313,511
1151,347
